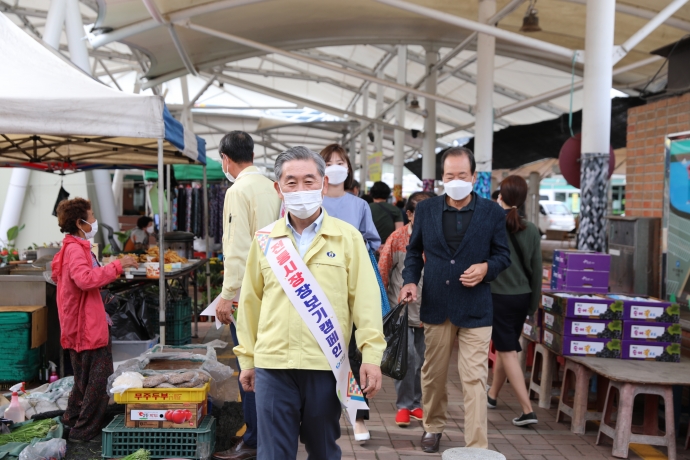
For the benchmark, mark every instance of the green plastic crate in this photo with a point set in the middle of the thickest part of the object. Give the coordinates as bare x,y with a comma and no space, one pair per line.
18,362
178,330
174,309
119,441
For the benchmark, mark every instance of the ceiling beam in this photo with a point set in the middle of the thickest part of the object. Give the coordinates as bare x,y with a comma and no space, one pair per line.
561,52
316,62
643,13
179,15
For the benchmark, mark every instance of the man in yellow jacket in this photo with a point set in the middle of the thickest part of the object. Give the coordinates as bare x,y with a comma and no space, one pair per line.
250,204
281,359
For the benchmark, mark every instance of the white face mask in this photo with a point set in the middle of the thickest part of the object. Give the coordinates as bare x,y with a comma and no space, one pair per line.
229,176
337,174
94,229
458,189
149,230
303,204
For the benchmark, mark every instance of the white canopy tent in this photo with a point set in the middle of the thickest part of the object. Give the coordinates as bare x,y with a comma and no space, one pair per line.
41,93
50,109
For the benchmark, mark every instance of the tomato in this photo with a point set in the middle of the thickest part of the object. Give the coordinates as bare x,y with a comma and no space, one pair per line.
178,417
188,415
168,415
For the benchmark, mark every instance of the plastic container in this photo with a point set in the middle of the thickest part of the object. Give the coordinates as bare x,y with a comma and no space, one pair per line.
15,411
128,349
163,395
119,441
18,361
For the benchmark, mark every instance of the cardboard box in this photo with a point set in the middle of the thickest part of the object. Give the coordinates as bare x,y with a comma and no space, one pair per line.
39,322
643,331
575,280
651,351
643,308
580,306
536,319
593,328
581,260
581,346
531,332
153,415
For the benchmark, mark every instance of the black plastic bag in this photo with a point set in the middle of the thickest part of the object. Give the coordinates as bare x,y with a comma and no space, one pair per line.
128,317
394,359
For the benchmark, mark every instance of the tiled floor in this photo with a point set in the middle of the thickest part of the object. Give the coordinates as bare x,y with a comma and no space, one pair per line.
546,441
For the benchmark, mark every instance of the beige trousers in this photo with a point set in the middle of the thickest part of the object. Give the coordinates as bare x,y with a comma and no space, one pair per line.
473,355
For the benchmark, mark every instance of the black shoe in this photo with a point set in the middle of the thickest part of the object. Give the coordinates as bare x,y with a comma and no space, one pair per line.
525,419
490,402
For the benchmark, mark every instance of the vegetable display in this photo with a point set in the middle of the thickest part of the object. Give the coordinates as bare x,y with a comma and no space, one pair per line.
178,416
29,431
141,454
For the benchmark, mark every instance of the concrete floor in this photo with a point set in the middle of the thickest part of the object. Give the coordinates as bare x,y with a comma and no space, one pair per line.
546,441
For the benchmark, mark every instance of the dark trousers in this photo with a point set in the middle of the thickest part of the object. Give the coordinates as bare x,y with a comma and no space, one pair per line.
248,403
297,404
362,414
89,398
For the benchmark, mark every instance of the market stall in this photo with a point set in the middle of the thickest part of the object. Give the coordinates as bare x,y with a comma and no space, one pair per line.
56,118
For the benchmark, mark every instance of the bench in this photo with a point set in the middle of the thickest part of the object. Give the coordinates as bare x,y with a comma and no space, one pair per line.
629,378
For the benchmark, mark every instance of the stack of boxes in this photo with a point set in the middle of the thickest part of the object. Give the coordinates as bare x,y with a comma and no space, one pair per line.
582,272
579,317
651,329
582,325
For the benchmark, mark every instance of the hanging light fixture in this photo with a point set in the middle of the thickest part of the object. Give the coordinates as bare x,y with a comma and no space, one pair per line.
414,104
530,22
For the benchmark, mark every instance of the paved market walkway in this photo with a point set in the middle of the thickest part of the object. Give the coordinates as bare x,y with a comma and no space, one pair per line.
547,441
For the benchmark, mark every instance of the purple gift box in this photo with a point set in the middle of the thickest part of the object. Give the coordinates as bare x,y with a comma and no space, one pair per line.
581,346
598,328
651,351
643,308
579,305
651,332
573,280
580,260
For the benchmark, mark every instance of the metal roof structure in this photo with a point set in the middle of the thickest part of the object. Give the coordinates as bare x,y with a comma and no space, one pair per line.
297,71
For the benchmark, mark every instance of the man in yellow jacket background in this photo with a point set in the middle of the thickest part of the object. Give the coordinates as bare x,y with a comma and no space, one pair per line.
250,204
279,356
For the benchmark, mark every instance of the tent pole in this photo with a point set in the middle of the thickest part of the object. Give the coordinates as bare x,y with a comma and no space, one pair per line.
161,246
169,198
208,253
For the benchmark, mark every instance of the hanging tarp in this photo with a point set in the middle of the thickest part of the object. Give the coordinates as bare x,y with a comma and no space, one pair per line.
214,172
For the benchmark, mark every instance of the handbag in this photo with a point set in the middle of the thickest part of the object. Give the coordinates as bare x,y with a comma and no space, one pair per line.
394,359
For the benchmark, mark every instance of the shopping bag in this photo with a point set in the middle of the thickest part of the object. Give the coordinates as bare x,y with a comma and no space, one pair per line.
394,359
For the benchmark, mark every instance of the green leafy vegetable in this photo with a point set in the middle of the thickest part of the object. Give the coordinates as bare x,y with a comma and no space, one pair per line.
29,431
141,454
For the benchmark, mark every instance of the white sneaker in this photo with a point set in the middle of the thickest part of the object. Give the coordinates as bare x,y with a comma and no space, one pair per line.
361,431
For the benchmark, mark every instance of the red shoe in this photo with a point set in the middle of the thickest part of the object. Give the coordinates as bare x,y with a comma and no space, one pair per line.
417,414
403,417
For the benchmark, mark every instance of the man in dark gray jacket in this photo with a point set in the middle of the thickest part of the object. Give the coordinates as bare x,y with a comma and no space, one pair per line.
463,238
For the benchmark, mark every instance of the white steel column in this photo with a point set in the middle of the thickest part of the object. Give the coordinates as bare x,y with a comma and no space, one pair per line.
596,123
429,152
12,210
399,136
484,118
363,148
378,132
76,36
352,148
54,22
118,180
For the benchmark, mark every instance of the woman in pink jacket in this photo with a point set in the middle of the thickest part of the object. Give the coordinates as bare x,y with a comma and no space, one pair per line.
83,320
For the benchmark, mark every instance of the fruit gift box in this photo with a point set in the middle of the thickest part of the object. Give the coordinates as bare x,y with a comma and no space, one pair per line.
531,331
581,306
650,309
643,331
582,346
651,351
594,328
